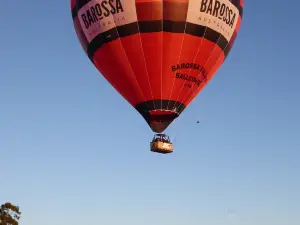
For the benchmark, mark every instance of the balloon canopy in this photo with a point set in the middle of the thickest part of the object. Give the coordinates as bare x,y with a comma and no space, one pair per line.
158,54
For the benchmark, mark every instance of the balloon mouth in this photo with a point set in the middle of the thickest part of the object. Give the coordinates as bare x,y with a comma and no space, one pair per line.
159,120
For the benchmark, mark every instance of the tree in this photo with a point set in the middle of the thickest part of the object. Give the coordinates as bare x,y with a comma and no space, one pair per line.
9,214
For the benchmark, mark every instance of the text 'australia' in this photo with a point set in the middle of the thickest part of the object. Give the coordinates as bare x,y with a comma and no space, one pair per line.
219,10
100,10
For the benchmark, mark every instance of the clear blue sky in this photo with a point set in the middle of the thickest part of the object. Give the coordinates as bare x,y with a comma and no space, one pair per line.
60,163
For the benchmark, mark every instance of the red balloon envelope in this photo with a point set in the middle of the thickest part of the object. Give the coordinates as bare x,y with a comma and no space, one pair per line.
158,54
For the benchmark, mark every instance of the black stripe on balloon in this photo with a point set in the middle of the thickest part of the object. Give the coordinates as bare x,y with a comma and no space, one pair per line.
150,26
158,104
145,108
100,40
129,29
241,11
174,26
111,35
175,108
237,4
123,31
230,44
156,26
81,3
74,13
207,33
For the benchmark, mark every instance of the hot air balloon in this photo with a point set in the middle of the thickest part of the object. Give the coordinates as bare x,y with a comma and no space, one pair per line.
158,54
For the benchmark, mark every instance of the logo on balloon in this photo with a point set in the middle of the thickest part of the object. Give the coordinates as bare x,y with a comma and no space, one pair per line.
219,10
100,10
220,16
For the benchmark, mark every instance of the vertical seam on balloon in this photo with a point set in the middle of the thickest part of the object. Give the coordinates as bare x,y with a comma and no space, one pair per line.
95,56
227,45
142,47
128,60
198,50
197,89
193,62
162,53
183,34
111,83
